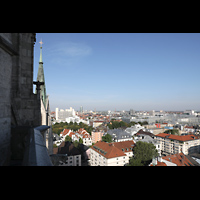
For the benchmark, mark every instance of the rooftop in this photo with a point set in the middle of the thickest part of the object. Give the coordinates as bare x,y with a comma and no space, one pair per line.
119,133
177,137
112,150
179,159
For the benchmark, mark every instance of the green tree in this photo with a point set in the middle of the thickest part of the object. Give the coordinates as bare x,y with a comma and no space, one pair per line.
143,153
172,131
135,162
76,143
80,140
107,138
67,138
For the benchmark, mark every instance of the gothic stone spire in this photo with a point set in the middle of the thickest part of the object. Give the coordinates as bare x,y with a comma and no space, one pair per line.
40,77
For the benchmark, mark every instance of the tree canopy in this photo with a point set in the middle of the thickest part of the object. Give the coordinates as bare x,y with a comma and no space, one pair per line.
172,131
58,127
107,138
115,124
143,154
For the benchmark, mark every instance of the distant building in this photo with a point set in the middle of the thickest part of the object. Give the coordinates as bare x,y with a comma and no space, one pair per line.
189,129
189,112
111,154
97,123
132,112
134,129
97,136
63,114
81,109
119,135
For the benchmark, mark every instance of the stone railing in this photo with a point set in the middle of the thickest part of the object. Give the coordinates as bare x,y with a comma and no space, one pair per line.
28,147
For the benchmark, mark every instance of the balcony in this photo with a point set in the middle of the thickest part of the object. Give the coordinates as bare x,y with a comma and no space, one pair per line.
28,147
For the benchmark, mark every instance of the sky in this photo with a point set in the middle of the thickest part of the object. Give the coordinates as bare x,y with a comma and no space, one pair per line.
121,71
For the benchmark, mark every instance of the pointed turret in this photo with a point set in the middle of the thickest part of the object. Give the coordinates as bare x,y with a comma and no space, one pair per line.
40,77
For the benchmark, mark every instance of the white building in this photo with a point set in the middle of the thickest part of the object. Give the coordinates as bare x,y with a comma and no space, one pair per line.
83,134
134,129
173,144
111,154
190,112
63,114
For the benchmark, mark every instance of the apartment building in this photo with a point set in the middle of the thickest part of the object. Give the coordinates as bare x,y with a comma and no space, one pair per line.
172,144
97,136
111,154
66,155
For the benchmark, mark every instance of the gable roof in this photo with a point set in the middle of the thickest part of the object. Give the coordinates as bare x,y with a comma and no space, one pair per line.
145,133
178,137
112,150
65,131
179,159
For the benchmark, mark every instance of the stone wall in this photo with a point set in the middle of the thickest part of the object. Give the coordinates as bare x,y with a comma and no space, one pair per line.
5,102
18,105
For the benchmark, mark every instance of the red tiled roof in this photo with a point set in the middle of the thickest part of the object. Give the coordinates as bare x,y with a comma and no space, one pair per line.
179,159
189,127
177,137
112,150
66,131
160,164
72,133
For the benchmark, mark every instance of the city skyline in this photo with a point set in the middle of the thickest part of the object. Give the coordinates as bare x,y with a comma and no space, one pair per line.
122,71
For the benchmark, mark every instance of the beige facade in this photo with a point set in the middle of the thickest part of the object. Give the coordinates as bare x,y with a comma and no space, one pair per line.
98,160
97,136
176,144
111,154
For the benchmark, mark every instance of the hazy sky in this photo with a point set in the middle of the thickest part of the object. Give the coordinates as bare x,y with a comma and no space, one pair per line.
122,71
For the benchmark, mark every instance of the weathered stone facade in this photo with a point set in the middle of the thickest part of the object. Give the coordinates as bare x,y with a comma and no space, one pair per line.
19,106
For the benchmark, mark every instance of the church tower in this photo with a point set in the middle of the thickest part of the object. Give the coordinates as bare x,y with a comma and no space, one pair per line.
45,107
40,77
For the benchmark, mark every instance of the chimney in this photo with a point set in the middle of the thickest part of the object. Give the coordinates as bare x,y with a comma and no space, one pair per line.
160,159
154,161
